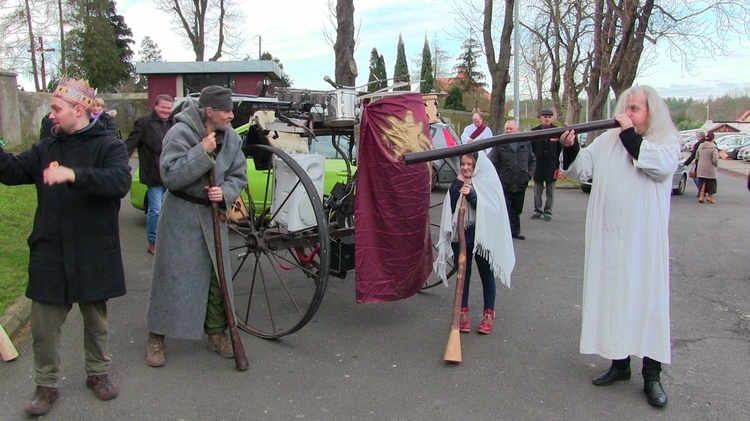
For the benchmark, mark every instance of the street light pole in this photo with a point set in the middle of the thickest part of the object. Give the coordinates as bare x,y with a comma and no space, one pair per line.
260,40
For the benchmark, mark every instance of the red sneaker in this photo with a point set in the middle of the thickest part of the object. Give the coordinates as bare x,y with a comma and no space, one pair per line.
486,326
464,325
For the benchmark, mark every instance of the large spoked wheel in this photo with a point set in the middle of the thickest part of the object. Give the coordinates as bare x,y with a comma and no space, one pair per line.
279,275
436,208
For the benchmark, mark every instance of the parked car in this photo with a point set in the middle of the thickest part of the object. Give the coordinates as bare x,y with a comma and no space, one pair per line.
744,153
444,170
679,181
733,145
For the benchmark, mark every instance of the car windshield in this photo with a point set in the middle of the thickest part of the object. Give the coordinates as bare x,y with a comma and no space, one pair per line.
324,145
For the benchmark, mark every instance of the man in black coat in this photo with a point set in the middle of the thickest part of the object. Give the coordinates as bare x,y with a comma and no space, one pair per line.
81,172
147,135
514,163
547,152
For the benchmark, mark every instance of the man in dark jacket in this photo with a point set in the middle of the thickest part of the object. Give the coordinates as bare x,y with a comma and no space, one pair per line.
81,172
547,152
515,164
147,135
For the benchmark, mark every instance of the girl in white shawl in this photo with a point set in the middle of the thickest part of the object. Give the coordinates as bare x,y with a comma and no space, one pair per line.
489,241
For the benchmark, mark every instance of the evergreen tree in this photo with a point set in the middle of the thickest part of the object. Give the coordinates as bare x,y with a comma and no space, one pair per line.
374,79
378,76
149,51
285,81
401,71
382,72
455,99
428,80
99,45
472,78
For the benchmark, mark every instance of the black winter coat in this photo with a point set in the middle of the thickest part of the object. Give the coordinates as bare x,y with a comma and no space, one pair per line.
108,122
547,155
75,241
147,135
514,168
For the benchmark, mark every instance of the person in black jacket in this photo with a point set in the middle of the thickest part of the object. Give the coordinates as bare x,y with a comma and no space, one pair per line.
81,173
547,152
515,163
147,135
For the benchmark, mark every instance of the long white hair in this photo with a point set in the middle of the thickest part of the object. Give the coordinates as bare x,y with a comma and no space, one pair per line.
661,129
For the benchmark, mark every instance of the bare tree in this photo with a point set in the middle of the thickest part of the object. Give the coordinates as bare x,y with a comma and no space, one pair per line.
476,21
206,22
341,19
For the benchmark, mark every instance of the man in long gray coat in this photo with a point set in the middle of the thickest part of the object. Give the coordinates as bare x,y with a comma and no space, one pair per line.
186,299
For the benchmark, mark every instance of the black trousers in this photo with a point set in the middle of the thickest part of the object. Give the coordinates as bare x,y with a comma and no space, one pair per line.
514,203
651,368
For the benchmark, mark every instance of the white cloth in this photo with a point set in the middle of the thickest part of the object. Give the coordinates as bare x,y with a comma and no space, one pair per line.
492,239
470,129
626,266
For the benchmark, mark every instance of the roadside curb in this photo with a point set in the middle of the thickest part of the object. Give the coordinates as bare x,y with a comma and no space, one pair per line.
16,316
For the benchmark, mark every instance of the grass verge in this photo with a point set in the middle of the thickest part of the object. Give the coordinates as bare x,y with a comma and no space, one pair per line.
17,207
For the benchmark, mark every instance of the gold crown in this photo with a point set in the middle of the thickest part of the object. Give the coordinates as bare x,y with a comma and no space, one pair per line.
75,92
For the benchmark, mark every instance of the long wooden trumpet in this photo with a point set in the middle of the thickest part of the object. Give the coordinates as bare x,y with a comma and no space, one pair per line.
453,348
458,150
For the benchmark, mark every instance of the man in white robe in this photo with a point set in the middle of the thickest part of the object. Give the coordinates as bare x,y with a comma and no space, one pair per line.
626,266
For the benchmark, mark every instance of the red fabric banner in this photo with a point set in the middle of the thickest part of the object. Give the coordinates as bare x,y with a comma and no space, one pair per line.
391,210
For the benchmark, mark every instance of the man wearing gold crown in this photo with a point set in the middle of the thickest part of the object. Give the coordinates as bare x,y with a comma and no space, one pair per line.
81,172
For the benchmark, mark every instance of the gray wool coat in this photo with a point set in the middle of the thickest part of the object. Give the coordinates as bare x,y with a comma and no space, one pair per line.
185,250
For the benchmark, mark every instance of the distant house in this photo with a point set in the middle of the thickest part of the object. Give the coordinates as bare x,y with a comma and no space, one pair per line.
182,78
480,98
726,127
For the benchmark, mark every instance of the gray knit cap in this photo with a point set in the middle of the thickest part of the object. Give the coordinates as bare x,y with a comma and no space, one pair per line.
216,97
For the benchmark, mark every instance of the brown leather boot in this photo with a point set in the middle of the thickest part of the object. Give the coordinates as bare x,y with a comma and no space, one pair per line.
151,248
155,350
220,343
42,401
701,194
102,386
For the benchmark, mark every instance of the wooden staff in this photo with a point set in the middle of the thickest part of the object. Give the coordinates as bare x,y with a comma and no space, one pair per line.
453,348
240,357
7,349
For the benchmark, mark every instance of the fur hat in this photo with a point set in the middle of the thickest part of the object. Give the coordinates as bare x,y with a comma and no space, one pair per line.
216,97
76,92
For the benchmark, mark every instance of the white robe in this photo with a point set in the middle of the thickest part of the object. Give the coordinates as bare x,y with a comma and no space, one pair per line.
626,266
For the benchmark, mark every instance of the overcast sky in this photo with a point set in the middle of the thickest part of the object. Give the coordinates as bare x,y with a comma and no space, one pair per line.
294,34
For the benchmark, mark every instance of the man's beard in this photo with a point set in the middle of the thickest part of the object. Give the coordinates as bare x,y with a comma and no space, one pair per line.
223,127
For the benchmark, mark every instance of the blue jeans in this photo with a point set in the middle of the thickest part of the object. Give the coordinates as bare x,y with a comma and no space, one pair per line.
154,195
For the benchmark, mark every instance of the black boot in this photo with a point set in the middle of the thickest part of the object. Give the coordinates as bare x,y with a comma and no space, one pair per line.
655,394
619,370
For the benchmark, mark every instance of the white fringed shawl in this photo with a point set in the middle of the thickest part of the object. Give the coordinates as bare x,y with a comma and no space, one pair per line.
492,236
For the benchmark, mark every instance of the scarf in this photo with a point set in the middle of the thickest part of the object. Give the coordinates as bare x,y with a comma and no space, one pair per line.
492,238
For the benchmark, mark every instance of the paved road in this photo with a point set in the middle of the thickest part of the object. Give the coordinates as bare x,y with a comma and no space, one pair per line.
384,361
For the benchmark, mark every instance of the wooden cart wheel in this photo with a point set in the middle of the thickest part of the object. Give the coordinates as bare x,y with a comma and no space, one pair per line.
436,208
279,276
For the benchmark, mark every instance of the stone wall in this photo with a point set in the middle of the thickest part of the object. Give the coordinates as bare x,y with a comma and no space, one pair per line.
10,131
35,105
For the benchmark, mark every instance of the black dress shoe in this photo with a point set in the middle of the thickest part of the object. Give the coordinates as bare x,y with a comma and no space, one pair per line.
612,375
519,236
655,394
